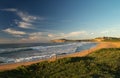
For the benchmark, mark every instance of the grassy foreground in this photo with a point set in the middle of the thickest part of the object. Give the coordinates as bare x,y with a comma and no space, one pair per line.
104,63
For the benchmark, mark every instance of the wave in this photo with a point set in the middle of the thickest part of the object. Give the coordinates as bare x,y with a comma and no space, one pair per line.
14,50
12,55
37,47
22,59
25,59
58,46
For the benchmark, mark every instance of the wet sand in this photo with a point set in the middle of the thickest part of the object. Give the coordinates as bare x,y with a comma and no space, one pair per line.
77,54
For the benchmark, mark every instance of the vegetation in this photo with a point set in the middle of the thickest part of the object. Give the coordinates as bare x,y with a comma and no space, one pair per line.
104,63
67,40
109,39
1,62
106,39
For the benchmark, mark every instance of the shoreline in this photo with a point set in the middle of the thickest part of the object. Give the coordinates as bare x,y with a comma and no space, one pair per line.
100,45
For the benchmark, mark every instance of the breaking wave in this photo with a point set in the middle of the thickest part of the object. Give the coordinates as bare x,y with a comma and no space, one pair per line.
12,55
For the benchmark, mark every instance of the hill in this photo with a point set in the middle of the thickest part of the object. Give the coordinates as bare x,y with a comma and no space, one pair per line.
107,39
67,40
103,63
98,39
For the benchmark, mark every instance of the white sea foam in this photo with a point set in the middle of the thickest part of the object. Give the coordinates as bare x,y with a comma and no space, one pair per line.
39,52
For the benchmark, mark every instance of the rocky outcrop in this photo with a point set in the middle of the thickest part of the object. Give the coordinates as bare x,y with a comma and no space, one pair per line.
59,40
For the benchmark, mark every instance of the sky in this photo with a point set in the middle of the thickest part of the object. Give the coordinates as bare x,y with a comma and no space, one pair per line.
33,21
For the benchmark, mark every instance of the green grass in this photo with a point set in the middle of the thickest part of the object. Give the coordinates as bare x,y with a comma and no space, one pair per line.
112,40
104,63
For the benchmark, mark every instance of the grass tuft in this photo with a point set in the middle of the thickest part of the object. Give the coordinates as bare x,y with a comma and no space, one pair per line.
104,63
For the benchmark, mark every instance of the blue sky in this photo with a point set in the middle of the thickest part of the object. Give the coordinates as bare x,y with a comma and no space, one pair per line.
26,21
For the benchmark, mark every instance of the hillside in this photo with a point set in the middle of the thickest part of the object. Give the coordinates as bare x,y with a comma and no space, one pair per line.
67,40
107,39
104,63
98,39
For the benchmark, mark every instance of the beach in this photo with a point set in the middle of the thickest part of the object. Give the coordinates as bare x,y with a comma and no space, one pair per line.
77,54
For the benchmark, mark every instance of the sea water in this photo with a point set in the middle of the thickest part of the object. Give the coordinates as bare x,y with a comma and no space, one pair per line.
12,53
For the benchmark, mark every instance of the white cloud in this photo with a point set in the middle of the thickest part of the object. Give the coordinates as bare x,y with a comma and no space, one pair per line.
46,36
51,35
68,35
36,37
75,33
36,33
26,19
9,9
14,32
110,31
104,32
25,25
42,36
92,33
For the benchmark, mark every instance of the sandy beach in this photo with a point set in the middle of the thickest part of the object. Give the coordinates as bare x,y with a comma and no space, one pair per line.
77,54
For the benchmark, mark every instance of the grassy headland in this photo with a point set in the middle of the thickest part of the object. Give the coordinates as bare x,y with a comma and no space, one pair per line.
98,39
104,63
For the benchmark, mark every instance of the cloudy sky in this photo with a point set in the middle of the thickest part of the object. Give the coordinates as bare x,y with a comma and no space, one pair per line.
26,21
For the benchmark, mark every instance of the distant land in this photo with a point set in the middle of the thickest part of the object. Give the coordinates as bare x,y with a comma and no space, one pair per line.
98,39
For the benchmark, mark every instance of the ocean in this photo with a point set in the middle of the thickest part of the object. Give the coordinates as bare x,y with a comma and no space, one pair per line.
13,53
